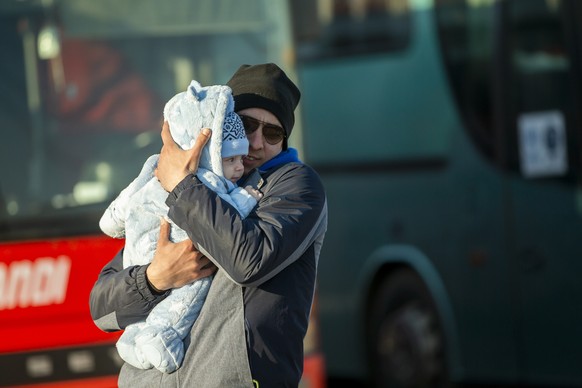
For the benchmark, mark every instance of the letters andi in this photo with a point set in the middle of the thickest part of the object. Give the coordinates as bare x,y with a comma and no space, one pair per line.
41,282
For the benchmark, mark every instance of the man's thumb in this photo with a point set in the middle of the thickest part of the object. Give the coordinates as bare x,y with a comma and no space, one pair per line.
196,151
164,231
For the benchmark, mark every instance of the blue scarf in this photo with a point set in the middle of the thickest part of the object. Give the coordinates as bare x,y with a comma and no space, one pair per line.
287,156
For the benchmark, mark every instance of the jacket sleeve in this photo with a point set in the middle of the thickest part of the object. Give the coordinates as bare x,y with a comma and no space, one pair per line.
289,218
121,296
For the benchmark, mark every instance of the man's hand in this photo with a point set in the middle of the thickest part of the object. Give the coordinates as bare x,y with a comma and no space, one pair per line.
176,264
175,163
256,194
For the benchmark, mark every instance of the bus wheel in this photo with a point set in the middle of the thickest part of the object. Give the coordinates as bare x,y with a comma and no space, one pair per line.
406,343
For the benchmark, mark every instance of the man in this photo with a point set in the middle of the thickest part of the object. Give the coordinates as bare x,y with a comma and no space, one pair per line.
252,325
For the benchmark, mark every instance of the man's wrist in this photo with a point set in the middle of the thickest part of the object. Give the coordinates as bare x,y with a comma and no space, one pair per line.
151,286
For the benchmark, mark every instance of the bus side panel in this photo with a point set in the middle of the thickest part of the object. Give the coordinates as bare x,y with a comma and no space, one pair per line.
47,330
399,169
47,282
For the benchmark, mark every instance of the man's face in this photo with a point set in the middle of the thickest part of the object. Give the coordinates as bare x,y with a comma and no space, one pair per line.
260,150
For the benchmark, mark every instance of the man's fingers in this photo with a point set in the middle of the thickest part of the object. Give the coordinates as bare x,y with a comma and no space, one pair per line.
204,261
164,231
196,151
167,138
208,270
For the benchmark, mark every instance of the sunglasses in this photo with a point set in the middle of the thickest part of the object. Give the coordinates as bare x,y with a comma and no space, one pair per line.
272,133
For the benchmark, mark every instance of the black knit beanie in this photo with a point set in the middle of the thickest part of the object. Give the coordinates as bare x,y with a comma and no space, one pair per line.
266,86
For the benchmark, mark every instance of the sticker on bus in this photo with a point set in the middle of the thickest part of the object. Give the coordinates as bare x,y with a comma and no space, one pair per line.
542,141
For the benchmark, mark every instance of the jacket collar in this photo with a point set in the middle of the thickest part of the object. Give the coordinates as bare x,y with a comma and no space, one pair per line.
288,156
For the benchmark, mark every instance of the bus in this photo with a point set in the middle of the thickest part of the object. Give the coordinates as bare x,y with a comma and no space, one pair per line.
448,134
83,84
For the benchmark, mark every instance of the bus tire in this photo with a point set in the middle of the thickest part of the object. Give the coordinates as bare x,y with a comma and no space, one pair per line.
405,339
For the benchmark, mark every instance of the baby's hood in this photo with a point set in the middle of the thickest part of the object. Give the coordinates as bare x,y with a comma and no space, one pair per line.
196,108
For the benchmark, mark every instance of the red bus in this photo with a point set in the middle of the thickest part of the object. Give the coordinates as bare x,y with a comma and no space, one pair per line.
82,88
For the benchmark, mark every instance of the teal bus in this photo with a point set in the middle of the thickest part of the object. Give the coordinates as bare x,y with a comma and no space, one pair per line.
448,135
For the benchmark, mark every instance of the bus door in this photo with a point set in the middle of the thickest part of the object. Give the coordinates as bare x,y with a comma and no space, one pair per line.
540,107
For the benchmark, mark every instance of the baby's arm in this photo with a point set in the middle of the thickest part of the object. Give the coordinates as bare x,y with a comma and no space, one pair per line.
113,220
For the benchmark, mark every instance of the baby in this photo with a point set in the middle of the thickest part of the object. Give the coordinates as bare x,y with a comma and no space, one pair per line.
135,214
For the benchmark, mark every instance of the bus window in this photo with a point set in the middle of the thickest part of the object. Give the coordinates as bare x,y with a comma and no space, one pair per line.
531,73
87,117
340,28
85,90
466,38
540,96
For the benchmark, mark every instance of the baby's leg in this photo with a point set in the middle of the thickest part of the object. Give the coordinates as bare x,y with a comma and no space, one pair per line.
161,341
128,350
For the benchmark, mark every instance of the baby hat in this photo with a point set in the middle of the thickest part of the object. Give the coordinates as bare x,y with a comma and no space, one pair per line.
234,139
199,107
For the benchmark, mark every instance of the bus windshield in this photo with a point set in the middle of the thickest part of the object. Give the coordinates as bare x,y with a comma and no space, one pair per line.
85,89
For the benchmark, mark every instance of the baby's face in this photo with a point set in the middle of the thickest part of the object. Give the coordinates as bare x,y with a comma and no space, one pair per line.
233,168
